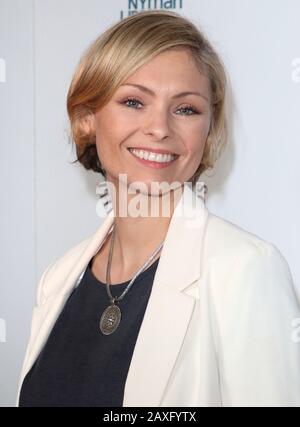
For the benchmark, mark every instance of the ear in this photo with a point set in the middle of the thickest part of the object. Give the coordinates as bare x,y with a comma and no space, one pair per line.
88,124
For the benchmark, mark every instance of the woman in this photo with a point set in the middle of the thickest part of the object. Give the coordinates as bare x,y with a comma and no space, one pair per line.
176,308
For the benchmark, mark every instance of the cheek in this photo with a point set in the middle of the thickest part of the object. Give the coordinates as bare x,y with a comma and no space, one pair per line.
106,134
195,147
198,139
109,140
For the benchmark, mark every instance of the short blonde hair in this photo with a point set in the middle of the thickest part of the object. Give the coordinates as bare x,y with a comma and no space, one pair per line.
119,52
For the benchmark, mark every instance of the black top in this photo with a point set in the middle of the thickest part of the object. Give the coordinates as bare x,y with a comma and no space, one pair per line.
80,366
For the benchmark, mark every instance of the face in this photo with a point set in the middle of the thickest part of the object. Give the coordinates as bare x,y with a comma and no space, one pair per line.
150,112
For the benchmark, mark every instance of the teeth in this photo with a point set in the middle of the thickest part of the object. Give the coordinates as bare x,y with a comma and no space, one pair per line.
154,157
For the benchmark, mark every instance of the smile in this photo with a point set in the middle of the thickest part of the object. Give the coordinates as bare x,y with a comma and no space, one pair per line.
153,159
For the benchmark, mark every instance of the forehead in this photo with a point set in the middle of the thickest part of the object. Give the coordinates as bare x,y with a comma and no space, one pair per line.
172,68
174,61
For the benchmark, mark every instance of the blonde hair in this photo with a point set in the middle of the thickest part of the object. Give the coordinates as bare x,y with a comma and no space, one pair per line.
119,52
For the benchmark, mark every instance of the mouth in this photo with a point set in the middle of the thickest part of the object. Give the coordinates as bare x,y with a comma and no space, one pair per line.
154,159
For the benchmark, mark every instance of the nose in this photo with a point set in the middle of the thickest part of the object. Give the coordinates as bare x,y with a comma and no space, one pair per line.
158,125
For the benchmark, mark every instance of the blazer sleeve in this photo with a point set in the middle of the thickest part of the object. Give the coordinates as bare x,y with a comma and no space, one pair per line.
39,292
258,349
38,301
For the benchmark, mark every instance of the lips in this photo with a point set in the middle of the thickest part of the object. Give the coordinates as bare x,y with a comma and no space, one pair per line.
152,163
154,150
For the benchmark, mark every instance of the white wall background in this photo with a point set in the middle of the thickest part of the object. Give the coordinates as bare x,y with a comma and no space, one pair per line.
49,205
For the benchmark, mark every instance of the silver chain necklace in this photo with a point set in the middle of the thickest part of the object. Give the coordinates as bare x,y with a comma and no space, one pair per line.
111,316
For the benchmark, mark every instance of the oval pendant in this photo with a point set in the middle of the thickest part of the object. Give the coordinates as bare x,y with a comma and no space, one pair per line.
110,319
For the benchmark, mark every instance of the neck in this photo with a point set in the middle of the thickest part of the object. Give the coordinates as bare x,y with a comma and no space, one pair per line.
137,237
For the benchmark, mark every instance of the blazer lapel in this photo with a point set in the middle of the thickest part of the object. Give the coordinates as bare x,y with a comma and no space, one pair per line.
170,306
175,291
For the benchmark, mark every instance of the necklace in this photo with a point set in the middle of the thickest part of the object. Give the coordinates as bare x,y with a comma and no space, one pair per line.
111,316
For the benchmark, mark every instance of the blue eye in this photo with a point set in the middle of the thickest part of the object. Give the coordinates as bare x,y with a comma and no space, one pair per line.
133,100
192,109
189,108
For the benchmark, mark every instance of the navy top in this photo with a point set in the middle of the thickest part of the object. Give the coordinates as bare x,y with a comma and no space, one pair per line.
80,366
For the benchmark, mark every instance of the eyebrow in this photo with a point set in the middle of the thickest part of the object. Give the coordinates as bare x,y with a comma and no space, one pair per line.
150,92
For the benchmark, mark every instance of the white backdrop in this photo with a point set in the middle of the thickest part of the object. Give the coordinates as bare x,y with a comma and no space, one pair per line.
49,205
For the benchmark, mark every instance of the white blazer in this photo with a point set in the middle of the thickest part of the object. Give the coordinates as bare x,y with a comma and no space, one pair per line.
217,329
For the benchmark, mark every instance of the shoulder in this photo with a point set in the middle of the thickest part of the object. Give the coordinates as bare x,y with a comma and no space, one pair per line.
64,262
228,241
242,261
71,254
225,236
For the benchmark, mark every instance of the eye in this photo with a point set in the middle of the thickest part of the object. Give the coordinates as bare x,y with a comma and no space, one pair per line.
189,108
132,100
